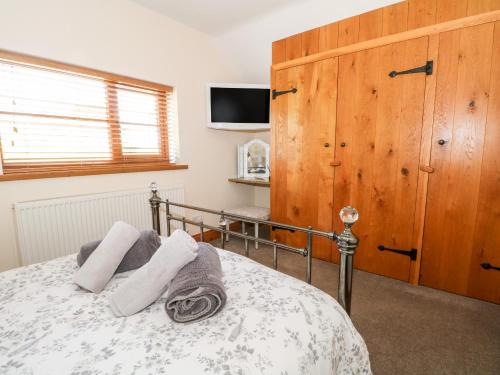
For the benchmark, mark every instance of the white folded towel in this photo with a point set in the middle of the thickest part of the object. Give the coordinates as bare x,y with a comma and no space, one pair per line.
150,281
102,264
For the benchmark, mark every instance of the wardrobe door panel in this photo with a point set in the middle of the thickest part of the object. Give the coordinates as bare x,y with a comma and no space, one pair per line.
460,158
379,126
484,282
303,137
356,105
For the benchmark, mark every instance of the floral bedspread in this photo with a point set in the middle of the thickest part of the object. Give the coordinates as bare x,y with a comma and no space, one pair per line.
272,324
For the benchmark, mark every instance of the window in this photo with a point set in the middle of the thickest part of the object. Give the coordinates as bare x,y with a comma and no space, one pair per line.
58,119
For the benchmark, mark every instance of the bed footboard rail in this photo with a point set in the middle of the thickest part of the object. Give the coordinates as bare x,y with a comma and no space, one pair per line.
347,242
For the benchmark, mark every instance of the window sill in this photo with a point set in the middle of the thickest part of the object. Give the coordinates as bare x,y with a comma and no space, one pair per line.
88,171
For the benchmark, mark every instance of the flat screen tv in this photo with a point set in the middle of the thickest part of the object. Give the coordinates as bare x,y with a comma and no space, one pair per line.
238,106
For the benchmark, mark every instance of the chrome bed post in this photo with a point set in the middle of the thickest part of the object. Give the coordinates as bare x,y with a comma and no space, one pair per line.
247,251
275,255
347,242
155,201
222,225
167,209
309,255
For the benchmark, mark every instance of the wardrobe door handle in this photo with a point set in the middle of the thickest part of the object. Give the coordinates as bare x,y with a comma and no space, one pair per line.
426,168
326,144
441,142
343,144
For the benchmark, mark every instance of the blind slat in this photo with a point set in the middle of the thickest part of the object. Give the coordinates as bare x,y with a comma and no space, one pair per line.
53,116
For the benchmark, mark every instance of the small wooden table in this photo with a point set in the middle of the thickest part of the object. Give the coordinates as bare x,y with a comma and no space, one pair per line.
250,181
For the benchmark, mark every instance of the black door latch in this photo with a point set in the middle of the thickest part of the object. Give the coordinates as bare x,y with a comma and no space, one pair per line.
488,266
427,69
409,253
278,93
275,227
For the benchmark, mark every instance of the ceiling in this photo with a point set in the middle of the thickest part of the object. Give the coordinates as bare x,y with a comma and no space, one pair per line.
213,16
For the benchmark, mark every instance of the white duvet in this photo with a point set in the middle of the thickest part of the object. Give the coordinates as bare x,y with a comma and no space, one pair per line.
272,324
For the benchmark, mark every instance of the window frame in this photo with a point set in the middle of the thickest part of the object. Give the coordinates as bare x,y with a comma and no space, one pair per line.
118,163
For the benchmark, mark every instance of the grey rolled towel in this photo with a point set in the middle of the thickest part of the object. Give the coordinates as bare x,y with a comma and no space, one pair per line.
197,291
138,255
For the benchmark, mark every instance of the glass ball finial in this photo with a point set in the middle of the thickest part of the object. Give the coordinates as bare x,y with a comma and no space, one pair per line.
153,186
349,215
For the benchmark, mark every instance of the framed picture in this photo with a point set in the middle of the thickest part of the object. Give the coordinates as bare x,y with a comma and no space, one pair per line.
256,159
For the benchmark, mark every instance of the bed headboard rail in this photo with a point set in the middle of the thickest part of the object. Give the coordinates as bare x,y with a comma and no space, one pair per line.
347,242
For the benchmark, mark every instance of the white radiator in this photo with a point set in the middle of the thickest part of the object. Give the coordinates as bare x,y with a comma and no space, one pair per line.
51,228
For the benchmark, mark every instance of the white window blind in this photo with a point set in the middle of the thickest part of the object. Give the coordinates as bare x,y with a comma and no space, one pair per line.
51,118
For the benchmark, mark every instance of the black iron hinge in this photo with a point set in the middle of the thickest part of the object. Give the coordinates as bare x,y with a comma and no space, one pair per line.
427,69
278,93
275,227
488,266
409,253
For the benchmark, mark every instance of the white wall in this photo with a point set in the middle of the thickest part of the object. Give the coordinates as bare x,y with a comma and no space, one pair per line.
122,37
248,46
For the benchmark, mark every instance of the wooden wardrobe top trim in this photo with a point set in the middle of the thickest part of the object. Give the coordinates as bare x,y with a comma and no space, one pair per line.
394,38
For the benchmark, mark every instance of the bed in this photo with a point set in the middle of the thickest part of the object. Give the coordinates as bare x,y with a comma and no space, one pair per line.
272,324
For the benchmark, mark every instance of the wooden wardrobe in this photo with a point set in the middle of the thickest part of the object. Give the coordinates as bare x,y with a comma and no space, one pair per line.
417,154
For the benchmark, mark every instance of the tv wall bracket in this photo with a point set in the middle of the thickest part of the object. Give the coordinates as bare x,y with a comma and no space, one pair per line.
278,93
427,69
409,253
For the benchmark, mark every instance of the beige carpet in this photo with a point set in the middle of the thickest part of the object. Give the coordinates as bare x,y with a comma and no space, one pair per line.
408,329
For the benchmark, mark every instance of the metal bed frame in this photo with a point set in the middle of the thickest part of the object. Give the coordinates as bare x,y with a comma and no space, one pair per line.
347,242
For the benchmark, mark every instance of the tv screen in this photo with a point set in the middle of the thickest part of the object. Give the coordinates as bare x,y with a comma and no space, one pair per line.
239,105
